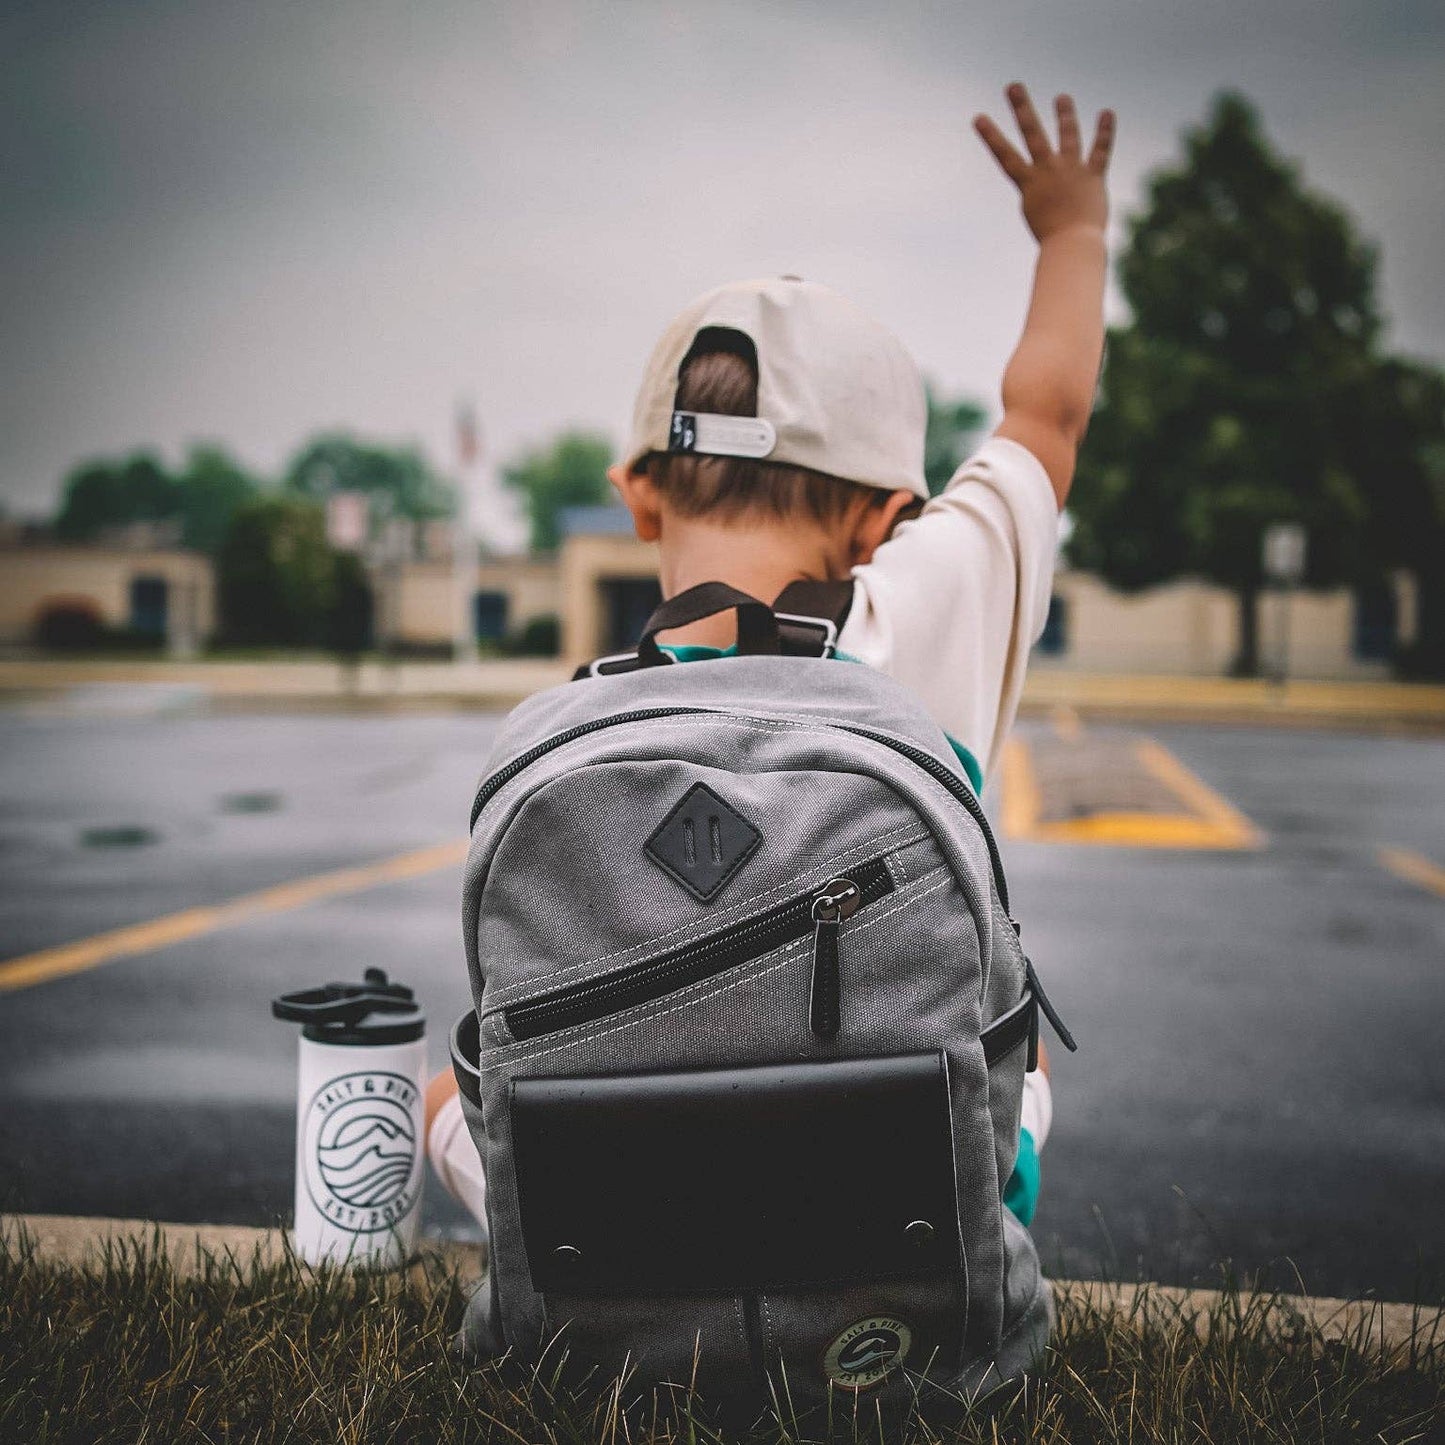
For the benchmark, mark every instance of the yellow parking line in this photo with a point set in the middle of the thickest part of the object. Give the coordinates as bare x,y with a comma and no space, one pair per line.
87,953
1206,820
1066,723
1021,800
1139,830
1230,828
1414,868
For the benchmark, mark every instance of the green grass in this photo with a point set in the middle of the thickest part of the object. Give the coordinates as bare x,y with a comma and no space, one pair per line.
127,1349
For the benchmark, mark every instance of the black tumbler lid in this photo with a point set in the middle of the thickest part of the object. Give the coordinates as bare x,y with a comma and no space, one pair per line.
342,1013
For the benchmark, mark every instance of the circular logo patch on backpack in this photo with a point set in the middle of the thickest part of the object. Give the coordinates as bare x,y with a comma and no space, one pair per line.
866,1351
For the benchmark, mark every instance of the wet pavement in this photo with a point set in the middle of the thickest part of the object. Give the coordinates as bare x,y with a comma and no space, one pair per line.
1259,1078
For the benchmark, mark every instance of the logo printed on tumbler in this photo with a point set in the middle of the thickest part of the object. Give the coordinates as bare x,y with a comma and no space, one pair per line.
363,1164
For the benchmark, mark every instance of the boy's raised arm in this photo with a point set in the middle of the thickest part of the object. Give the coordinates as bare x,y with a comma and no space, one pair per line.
1048,386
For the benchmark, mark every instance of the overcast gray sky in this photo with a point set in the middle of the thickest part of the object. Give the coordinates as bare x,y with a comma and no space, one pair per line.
245,222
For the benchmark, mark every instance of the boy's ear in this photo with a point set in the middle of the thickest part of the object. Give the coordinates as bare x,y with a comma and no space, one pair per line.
640,497
875,524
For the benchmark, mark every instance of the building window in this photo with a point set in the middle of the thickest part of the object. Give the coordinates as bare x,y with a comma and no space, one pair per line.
627,603
148,606
1376,622
1054,639
489,616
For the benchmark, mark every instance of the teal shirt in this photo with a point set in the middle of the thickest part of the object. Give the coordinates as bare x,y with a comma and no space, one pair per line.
1021,1193
697,652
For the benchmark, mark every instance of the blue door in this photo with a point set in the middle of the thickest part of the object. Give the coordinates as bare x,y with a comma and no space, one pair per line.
1376,622
148,605
628,602
489,616
1054,639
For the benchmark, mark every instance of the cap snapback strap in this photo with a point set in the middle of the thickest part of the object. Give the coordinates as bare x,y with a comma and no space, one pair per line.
709,434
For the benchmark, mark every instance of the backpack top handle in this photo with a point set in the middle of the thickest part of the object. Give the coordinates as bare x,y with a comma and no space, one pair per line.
757,627
805,620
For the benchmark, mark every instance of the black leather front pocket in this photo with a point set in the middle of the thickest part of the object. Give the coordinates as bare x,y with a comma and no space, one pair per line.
734,1181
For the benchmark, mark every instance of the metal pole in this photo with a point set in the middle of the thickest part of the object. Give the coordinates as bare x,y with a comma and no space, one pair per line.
1286,616
464,541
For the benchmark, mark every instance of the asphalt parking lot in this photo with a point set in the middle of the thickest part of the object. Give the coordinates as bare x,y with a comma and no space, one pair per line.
1255,968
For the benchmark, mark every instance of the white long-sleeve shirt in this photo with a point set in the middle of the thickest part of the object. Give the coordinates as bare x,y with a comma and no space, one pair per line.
952,602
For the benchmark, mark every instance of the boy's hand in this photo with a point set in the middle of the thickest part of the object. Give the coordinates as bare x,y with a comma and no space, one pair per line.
1048,385
1061,189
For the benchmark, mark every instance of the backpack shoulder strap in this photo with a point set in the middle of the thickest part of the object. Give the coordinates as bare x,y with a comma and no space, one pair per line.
809,616
801,606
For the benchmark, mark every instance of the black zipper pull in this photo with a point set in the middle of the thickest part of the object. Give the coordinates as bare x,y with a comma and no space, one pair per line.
1042,1001
835,900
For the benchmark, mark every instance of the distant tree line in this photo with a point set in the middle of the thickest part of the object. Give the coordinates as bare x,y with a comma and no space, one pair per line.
279,580
103,496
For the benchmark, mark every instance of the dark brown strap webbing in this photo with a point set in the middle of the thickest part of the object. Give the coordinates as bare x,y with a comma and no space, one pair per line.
831,601
761,629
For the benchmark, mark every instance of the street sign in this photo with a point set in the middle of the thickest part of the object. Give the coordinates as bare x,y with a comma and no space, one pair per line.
1284,553
348,520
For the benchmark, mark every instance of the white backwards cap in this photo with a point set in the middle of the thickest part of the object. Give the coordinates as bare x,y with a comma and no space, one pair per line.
837,392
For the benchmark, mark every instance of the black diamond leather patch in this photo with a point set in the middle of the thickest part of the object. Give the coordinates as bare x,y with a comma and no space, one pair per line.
702,842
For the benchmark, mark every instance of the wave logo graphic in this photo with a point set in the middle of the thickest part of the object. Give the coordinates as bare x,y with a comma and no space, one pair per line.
361,1156
863,1355
365,1152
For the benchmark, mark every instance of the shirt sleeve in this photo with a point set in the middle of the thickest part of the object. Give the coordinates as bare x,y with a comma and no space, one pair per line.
953,601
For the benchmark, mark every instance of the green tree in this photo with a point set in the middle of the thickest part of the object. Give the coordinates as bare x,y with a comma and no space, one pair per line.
1400,440
953,428
276,575
399,480
1229,403
211,488
104,494
350,616
571,472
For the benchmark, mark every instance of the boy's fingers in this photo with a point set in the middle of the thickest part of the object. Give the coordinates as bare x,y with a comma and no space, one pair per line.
1068,126
1103,142
1032,127
1013,165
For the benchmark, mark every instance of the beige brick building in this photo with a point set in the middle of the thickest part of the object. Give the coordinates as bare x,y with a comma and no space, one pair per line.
163,593
607,586
416,603
602,584
1191,628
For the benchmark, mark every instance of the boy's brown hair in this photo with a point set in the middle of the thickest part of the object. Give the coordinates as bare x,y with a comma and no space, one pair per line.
718,377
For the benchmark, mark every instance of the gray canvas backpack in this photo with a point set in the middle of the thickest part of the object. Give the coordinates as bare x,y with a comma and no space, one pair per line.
750,1031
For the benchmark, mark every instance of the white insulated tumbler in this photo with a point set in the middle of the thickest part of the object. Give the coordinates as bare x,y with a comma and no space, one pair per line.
360,1147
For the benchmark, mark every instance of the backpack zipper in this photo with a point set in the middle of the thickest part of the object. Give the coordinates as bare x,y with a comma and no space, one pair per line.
836,900
504,775
820,910
925,760
960,789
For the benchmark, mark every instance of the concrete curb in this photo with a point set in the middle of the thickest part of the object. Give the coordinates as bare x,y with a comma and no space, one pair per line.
75,1241
1380,706
52,686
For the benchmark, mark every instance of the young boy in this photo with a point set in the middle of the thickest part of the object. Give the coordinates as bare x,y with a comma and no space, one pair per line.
950,593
